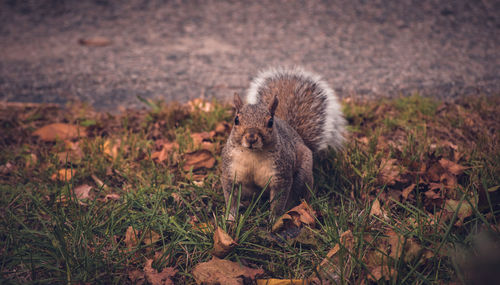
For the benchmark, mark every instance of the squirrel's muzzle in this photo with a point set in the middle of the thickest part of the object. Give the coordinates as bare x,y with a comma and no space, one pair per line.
252,139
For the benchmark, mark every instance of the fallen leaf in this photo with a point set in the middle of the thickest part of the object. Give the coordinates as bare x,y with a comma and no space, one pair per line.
151,237
282,222
198,159
220,271
60,131
407,191
82,191
158,278
434,172
223,243
451,166
202,227
112,196
330,266
298,216
376,208
72,154
111,147
131,239
388,273
95,41
99,182
198,138
137,277
306,214
64,175
274,281
6,168
389,171
166,149
222,128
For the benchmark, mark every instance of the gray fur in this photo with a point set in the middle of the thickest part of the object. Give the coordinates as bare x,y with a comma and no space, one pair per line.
281,154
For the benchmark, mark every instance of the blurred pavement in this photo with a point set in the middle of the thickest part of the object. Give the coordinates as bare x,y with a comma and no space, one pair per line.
178,50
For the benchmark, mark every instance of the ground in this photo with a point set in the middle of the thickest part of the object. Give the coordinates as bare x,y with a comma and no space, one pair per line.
178,50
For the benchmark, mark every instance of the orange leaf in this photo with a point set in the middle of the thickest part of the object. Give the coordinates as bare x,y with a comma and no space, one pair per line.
60,131
198,159
64,174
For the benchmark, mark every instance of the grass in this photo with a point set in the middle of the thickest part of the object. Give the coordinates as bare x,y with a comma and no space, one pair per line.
49,235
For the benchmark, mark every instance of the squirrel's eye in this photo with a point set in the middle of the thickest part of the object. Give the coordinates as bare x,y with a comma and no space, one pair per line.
270,123
236,120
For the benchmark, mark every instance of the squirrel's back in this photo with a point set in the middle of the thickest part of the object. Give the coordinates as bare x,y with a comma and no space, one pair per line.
306,103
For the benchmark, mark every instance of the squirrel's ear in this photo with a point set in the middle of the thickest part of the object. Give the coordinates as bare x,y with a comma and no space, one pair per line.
237,102
273,105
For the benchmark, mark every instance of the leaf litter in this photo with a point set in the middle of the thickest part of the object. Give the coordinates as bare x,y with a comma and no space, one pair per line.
431,170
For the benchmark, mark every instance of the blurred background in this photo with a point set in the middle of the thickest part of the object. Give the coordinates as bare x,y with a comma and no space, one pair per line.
109,52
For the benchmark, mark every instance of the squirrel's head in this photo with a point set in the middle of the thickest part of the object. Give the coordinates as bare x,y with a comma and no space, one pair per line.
253,126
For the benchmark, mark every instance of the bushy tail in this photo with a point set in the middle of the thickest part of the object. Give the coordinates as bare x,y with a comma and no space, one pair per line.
306,103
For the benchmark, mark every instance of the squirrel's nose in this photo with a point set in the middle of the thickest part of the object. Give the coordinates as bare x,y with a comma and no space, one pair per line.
252,138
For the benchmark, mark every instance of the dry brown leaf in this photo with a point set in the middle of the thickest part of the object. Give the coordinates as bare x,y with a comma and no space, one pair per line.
389,171
407,191
330,266
305,213
166,149
151,237
220,271
198,159
111,147
60,131
198,138
376,208
202,227
131,237
434,172
158,278
99,182
72,154
222,128
64,174
223,243
274,281
112,196
95,41
7,168
137,277
82,191
452,167
282,222
388,273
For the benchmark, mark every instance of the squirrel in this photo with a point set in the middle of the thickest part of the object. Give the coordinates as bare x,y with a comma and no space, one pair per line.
289,115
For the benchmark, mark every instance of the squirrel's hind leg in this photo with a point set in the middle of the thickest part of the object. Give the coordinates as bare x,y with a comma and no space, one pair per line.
303,177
